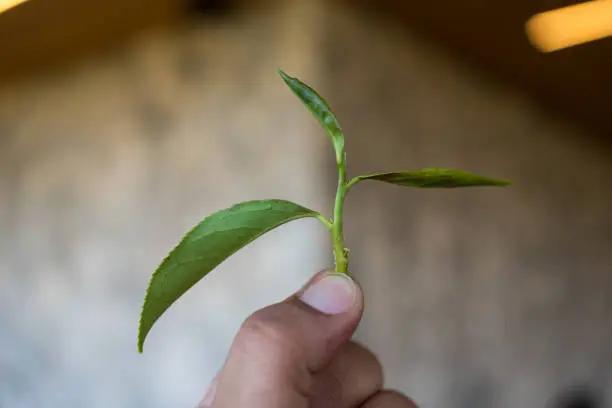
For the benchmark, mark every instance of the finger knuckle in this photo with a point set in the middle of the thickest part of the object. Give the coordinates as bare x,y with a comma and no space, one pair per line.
372,364
266,328
368,363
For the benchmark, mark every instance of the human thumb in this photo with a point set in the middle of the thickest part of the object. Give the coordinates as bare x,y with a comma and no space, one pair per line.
280,348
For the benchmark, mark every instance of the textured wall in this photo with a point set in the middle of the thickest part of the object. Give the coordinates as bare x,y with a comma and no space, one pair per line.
475,298
103,168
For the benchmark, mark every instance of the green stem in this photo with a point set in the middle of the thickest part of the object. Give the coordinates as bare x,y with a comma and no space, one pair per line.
340,252
351,183
328,224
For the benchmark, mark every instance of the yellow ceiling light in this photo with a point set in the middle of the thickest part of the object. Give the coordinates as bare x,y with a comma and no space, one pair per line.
7,4
573,25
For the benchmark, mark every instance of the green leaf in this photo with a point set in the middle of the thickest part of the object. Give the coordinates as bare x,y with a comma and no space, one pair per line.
211,242
433,178
320,109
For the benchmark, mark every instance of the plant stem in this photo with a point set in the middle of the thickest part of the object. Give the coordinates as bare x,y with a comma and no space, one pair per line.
328,224
351,183
340,252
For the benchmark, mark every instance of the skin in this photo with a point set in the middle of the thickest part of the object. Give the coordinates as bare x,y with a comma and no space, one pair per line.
298,354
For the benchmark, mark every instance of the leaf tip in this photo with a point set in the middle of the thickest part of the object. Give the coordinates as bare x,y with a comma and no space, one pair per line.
141,336
283,74
143,326
501,183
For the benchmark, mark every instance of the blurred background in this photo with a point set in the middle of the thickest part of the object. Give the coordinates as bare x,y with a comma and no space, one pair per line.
123,123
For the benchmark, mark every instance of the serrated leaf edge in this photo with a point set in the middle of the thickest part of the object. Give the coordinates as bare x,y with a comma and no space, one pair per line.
142,337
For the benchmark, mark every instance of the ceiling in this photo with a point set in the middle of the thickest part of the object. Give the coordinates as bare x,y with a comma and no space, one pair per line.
40,33
576,82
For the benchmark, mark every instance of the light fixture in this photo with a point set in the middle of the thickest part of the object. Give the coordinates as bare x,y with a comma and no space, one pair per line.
7,4
569,26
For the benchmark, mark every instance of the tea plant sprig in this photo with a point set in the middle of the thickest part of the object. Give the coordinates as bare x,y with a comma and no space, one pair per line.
224,232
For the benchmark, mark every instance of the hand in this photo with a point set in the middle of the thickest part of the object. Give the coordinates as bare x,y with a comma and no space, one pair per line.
298,354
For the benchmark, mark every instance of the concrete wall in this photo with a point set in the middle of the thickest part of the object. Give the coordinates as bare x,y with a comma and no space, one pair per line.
475,298
479,297
105,166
